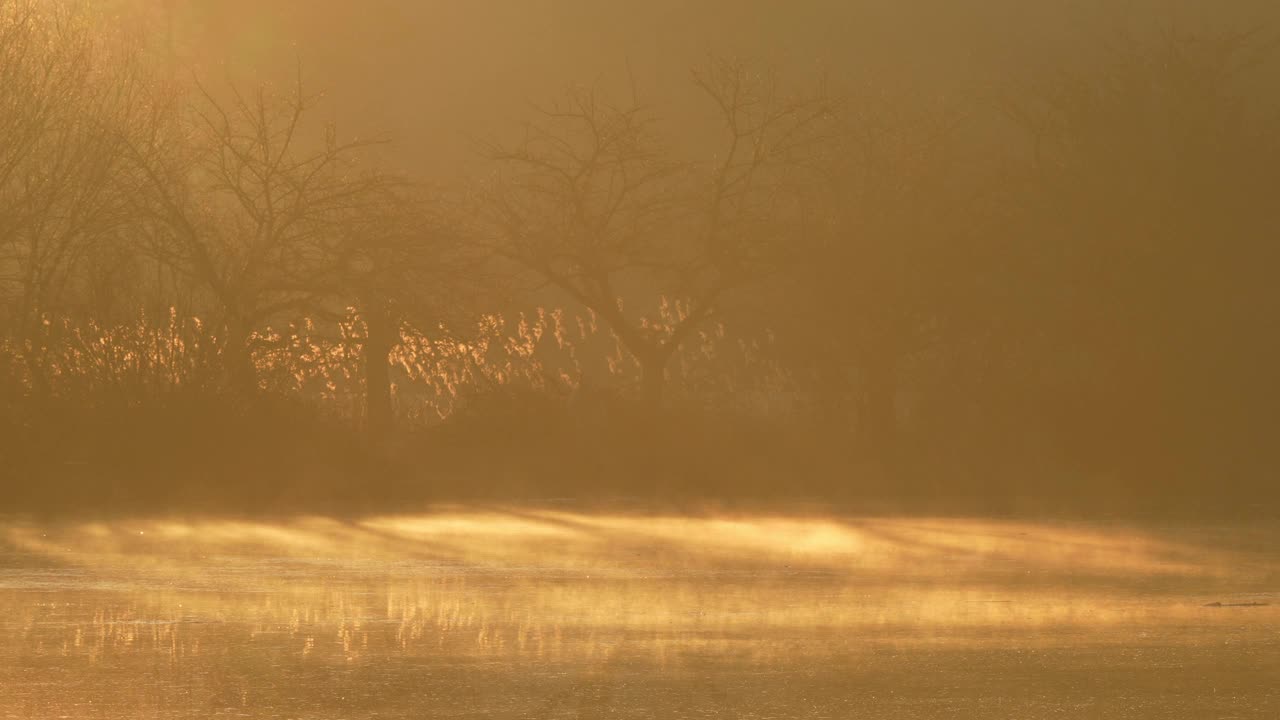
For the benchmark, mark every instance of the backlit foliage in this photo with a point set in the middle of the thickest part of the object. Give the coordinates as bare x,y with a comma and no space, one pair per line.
551,351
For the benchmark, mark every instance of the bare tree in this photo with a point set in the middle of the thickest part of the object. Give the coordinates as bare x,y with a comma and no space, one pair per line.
257,209
884,245
1151,168
594,203
71,97
405,260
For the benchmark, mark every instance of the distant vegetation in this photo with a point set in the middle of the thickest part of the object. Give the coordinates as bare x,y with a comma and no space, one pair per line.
210,297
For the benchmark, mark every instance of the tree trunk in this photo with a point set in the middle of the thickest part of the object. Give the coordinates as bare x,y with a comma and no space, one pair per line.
834,403
652,380
380,329
237,360
877,414
34,348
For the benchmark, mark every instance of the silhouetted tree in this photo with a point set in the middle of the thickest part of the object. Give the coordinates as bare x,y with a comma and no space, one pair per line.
595,204
405,259
873,279
256,209
1152,169
72,97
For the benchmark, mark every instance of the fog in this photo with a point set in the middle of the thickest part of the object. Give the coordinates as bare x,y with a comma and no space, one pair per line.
517,611
435,74
990,254
939,252
576,358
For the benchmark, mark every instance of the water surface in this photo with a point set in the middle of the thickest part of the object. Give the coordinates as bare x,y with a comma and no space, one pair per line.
535,613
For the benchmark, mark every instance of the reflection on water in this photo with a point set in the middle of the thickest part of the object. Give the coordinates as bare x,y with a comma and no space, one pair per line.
538,613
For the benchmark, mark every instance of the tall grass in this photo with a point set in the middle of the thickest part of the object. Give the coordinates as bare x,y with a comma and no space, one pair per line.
534,402
435,373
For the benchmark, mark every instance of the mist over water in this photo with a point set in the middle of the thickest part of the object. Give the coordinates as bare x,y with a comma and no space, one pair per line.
518,612
743,359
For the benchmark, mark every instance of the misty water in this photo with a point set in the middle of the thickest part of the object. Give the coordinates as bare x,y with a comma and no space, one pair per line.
518,613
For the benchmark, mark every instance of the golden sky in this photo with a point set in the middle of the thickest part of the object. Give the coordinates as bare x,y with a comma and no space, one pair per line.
431,73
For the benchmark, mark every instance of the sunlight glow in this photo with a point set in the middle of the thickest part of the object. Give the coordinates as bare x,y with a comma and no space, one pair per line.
541,581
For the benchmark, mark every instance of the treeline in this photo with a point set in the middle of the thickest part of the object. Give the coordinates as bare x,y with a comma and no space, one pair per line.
1062,287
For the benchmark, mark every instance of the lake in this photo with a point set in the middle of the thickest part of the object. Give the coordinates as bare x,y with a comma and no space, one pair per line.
499,612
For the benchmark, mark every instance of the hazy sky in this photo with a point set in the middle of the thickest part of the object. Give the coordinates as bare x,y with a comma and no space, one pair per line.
432,72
